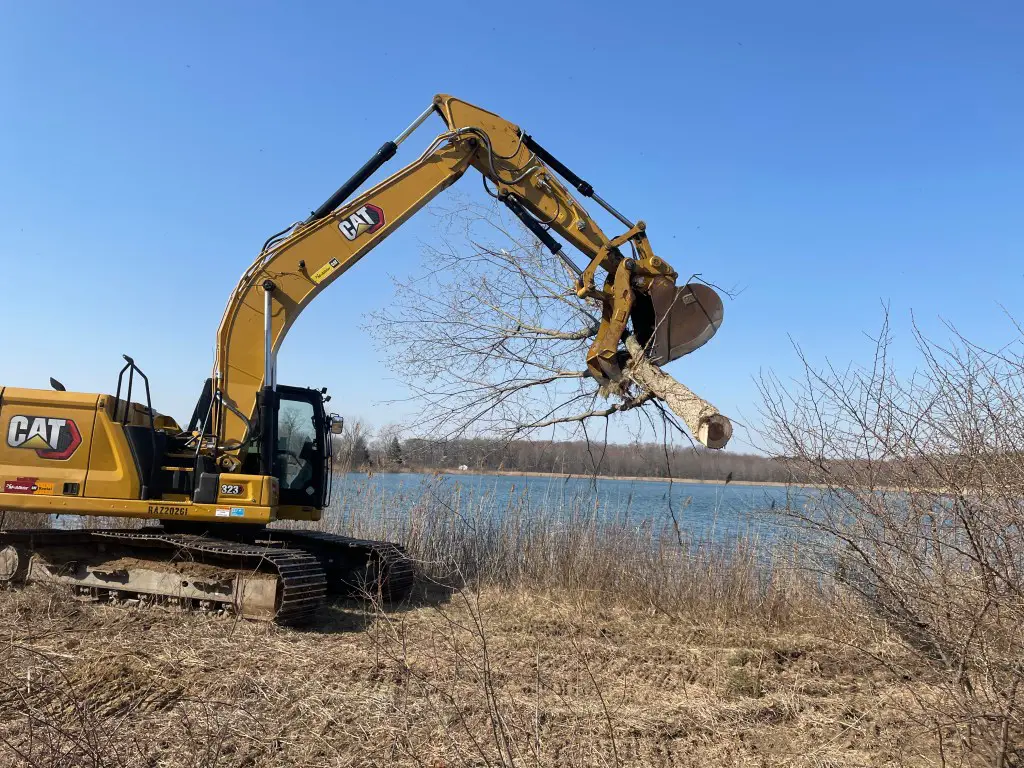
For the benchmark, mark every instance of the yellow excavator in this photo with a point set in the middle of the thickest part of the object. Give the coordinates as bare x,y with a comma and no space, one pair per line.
255,451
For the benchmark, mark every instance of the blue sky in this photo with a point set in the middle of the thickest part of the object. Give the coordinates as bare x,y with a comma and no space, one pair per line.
822,157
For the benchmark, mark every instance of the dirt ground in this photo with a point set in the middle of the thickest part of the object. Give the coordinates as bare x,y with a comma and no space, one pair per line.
455,680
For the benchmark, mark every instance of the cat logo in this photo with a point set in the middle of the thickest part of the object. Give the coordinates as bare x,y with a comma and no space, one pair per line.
369,218
51,438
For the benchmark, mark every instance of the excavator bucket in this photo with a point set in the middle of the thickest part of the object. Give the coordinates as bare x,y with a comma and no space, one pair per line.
671,322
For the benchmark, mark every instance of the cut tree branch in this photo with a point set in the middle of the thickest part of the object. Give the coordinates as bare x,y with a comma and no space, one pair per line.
705,422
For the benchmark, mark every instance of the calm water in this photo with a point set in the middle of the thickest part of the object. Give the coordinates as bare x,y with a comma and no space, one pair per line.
702,511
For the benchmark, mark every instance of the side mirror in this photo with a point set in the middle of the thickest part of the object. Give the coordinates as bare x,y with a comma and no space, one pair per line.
337,424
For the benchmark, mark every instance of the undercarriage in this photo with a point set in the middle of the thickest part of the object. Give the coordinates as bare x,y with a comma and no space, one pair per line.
279,575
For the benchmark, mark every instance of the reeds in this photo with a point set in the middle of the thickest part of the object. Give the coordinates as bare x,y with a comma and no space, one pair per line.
574,545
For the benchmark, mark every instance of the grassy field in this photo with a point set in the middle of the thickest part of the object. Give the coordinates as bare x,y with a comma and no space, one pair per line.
531,640
491,678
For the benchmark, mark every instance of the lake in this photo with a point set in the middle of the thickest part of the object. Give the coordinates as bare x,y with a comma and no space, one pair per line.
703,511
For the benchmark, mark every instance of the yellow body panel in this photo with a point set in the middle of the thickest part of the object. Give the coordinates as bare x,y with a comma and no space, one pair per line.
247,489
112,473
156,509
35,426
98,476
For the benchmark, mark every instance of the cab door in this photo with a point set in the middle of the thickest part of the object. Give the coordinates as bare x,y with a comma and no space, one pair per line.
299,456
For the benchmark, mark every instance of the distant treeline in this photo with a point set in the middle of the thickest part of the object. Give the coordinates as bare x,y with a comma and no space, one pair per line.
361,448
574,458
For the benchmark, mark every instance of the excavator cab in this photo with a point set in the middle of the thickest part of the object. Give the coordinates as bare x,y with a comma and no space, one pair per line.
302,455
290,446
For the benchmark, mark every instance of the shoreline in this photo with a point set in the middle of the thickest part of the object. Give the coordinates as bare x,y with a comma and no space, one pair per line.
567,476
674,480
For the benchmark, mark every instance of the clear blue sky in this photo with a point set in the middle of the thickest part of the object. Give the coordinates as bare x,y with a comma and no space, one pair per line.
823,157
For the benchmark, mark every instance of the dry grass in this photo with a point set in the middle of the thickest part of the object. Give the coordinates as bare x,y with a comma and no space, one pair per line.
495,678
547,638
12,519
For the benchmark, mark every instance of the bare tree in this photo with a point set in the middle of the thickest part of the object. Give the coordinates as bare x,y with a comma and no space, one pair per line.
386,448
353,448
492,339
920,518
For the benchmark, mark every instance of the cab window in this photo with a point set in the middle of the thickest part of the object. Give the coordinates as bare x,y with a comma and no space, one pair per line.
297,457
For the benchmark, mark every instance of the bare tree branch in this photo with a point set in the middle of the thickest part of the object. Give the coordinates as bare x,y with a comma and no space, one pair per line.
488,336
919,514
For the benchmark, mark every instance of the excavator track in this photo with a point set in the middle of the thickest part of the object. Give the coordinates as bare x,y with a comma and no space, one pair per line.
259,581
283,575
356,567
303,583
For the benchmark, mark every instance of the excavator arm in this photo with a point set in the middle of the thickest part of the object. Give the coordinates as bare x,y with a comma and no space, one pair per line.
297,264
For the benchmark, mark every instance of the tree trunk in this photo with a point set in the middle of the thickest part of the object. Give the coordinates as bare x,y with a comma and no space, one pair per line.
704,421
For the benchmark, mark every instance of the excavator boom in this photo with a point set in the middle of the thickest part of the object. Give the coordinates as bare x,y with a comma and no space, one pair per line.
296,266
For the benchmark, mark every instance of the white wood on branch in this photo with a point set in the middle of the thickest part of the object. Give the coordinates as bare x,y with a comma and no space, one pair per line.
704,421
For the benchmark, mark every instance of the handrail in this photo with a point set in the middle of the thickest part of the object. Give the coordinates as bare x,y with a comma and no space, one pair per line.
132,369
